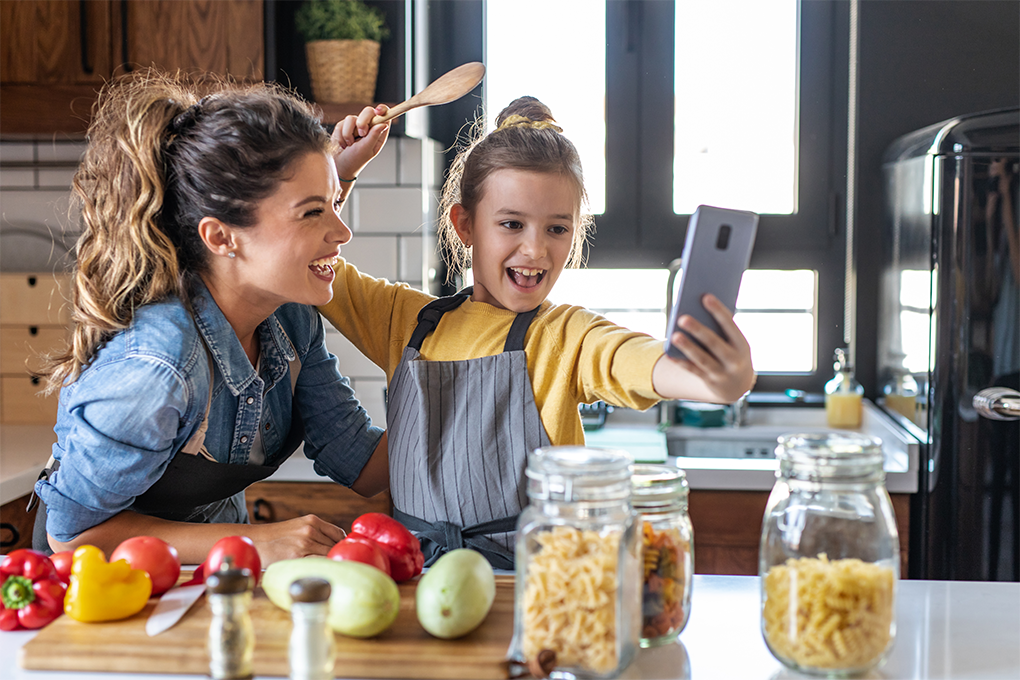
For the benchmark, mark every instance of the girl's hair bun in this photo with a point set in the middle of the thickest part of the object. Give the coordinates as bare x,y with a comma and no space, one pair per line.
526,107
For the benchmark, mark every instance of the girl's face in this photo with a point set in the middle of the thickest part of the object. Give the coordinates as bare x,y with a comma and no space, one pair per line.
288,255
520,235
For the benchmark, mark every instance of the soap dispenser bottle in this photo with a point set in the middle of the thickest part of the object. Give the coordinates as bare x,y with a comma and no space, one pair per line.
843,394
900,393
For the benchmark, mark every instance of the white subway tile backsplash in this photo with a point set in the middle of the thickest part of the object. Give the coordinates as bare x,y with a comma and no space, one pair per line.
60,152
372,395
411,262
17,152
397,210
375,255
410,161
17,178
383,168
39,207
56,178
353,363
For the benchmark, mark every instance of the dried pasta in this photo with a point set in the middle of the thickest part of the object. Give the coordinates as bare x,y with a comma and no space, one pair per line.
663,598
570,599
826,614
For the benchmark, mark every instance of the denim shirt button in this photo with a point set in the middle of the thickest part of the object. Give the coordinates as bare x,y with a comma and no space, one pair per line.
250,400
244,439
268,426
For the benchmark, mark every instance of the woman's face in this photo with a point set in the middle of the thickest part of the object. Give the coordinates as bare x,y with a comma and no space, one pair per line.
520,236
288,255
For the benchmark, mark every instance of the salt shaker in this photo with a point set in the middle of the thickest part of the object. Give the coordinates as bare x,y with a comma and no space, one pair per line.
231,635
312,645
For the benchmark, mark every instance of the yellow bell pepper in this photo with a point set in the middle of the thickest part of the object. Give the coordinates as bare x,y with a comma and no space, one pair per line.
100,591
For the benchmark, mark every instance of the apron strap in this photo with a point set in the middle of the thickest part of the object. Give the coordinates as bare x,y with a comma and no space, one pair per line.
441,537
430,314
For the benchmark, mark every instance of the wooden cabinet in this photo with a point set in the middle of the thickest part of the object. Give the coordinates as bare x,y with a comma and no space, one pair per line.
33,320
727,530
57,53
276,501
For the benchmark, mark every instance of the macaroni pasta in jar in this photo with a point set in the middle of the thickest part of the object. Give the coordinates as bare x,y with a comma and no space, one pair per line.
830,556
578,598
667,551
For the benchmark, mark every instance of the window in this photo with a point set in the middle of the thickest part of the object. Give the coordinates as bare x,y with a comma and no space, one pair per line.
738,103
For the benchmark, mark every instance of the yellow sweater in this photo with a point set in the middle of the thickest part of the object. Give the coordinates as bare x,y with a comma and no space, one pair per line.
574,355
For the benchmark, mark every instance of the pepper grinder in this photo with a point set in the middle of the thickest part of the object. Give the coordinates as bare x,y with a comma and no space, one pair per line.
231,634
312,645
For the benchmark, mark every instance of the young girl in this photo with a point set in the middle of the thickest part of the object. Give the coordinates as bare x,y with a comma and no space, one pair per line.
190,374
479,379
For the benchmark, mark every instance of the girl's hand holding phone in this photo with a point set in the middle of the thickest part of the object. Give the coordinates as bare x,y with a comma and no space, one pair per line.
717,370
359,140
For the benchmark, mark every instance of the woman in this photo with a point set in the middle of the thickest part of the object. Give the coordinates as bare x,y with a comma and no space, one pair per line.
197,364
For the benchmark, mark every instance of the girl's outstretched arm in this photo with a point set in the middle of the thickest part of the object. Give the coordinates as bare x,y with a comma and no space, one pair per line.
719,371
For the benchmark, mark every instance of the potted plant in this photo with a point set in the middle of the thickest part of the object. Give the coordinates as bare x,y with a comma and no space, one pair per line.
342,45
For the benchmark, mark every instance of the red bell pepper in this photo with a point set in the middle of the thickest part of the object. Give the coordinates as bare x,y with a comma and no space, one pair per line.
400,546
31,592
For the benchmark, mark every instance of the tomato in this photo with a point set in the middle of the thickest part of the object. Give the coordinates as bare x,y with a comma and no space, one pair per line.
241,549
154,556
62,563
362,551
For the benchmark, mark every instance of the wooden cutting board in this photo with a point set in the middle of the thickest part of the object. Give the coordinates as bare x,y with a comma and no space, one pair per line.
403,651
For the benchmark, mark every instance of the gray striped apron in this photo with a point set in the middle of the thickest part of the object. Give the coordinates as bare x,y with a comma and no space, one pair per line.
459,437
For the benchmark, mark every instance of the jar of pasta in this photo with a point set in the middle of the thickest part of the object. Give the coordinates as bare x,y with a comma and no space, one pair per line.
578,586
830,556
667,551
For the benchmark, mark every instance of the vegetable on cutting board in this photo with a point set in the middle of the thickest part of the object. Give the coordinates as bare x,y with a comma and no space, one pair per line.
360,549
102,591
455,594
155,556
241,549
363,600
31,592
400,546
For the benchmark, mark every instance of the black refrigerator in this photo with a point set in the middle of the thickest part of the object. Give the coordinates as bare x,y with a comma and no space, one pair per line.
949,317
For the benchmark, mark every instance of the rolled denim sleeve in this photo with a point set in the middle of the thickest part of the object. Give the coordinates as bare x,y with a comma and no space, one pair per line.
117,430
339,435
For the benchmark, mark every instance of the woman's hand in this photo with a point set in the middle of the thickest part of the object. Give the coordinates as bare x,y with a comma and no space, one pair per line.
359,140
719,370
293,538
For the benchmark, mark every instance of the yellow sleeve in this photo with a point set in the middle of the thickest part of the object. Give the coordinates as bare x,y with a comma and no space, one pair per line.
377,316
607,362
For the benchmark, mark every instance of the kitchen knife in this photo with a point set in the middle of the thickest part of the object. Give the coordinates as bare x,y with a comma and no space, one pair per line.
175,603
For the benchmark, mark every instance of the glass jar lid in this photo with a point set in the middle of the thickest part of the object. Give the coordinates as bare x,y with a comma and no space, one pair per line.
578,473
658,487
829,455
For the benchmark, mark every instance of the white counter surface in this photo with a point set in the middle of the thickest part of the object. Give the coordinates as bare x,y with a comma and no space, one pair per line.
946,630
24,449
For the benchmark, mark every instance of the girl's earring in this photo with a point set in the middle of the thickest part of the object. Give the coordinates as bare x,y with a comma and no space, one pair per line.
231,255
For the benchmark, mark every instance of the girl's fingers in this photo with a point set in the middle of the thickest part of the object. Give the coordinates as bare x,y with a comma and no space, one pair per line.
695,353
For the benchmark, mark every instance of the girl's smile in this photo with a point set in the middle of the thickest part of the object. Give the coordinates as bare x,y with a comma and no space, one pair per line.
520,236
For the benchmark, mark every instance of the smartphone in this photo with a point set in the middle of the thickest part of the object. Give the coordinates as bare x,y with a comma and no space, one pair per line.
717,250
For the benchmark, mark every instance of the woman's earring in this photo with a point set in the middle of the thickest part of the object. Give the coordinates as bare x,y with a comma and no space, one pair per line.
231,255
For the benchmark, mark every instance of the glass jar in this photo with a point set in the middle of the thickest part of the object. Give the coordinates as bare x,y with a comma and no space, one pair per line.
843,394
667,542
900,393
830,556
578,588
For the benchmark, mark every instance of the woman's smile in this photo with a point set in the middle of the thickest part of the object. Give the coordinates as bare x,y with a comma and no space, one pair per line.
323,267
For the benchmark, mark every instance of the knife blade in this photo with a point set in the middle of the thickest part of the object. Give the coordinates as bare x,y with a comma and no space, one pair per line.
175,603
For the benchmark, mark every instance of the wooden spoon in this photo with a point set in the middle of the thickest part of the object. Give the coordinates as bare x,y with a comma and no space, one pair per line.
446,88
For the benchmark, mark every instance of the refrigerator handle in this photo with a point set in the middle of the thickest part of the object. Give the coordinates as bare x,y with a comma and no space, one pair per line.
998,403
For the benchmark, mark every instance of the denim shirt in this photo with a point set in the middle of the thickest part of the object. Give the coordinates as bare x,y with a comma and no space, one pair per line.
145,394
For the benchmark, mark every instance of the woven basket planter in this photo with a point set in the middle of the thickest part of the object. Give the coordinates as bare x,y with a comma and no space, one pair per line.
343,70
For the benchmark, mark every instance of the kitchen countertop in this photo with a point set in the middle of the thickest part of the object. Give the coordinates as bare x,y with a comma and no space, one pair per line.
946,629
25,449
